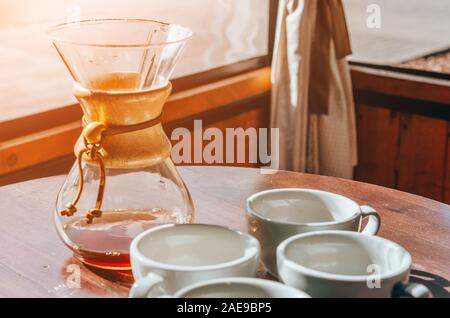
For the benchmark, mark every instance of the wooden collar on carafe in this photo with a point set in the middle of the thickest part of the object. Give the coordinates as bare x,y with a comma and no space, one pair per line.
110,129
93,137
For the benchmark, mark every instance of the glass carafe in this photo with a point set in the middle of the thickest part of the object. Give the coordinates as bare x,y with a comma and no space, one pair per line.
123,181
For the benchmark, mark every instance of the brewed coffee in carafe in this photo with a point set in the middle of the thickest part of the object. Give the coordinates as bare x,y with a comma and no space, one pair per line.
123,181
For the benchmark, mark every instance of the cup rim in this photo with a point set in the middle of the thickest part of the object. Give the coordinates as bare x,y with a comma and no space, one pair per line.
257,195
59,26
251,242
282,257
243,280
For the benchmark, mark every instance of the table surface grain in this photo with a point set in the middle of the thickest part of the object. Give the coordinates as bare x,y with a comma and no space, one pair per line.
34,261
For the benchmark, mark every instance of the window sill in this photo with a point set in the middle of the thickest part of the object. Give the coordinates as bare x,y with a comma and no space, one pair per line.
394,82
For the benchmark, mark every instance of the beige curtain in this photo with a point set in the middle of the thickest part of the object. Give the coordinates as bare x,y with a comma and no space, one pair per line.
312,102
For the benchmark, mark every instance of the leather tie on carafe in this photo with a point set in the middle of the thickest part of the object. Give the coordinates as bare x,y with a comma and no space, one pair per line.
93,136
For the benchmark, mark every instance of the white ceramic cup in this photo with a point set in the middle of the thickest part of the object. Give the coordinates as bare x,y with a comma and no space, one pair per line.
346,264
240,287
169,257
275,215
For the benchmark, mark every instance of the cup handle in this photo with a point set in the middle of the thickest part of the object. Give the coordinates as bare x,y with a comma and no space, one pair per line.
374,223
412,290
142,287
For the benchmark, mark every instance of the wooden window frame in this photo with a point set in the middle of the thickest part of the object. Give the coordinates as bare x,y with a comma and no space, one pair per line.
22,140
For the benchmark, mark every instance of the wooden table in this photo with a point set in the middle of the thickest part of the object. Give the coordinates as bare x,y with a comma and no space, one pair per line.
34,262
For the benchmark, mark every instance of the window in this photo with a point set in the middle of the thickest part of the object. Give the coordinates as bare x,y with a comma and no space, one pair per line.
33,78
407,30
37,108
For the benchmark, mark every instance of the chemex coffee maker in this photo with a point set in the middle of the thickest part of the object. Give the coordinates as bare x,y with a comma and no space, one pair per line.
123,181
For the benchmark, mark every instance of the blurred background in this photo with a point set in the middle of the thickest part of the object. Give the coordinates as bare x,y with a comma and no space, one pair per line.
400,75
